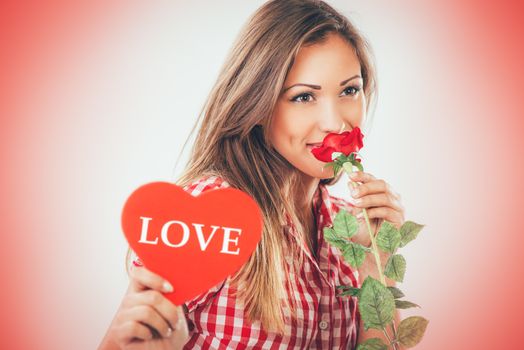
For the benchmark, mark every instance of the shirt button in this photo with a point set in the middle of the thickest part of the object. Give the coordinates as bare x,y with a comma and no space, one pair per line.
323,325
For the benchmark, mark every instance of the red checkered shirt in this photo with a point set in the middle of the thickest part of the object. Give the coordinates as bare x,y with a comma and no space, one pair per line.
324,320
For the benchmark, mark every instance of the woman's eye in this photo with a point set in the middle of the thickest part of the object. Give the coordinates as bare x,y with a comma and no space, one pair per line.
298,98
352,90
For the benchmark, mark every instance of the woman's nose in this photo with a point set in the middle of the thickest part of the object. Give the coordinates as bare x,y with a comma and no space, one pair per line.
331,121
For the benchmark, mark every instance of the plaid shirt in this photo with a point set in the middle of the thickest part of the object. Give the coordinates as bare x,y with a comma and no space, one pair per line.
324,321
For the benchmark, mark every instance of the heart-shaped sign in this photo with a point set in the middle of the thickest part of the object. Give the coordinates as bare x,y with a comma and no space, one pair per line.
193,242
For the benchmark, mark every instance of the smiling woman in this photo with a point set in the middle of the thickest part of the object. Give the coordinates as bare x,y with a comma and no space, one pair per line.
302,117
298,71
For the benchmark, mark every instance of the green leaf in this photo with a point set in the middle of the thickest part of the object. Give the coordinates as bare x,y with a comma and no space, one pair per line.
395,267
411,330
409,231
343,159
376,304
358,165
388,237
404,304
332,238
354,254
336,168
397,293
337,156
354,292
345,224
372,344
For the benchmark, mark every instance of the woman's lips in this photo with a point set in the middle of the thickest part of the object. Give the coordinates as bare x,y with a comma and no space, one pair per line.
310,146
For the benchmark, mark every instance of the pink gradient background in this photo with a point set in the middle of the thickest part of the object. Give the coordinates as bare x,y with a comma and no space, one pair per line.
75,142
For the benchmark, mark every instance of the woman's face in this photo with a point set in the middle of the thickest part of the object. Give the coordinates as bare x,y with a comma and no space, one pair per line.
304,115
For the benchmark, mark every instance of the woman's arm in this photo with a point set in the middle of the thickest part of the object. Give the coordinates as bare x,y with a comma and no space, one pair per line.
369,268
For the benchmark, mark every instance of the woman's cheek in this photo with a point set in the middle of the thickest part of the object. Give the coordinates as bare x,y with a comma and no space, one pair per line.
356,111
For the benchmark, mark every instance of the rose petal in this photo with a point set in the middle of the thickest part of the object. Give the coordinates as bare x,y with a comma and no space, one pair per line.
323,153
345,142
333,139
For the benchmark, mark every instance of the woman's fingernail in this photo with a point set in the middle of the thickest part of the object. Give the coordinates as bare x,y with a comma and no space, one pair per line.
353,175
358,201
167,287
354,192
360,215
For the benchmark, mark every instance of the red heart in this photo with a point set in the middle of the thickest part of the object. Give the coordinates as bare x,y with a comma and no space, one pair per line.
189,269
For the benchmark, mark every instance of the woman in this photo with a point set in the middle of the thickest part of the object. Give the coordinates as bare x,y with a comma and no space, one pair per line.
298,71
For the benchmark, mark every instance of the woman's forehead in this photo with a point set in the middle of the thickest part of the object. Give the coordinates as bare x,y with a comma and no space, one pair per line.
333,60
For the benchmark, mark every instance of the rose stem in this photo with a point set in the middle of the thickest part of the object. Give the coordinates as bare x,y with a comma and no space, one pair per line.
348,167
387,335
394,332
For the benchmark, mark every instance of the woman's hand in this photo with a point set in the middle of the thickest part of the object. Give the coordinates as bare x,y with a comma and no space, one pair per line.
380,202
146,319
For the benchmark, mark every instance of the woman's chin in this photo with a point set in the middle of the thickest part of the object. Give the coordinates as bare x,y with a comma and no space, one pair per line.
320,171
313,167
327,173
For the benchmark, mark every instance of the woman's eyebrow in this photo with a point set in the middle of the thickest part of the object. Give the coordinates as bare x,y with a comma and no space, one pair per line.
318,87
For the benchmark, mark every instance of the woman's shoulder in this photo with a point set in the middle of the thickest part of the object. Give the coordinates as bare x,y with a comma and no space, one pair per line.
204,183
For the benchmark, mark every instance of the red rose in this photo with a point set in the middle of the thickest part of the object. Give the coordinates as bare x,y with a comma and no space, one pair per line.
346,143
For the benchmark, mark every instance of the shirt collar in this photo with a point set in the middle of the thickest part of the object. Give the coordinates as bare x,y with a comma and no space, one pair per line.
324,209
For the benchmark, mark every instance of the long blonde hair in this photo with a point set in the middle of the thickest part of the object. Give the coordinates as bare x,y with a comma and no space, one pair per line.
232,140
